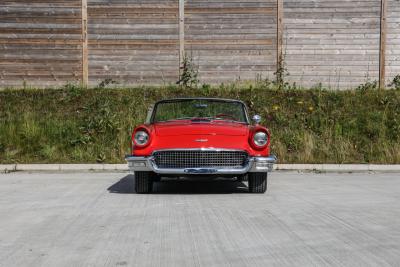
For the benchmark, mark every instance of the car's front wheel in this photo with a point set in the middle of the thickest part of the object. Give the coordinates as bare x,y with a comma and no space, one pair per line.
143,182
257,182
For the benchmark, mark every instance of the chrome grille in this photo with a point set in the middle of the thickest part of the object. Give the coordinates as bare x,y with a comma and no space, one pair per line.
178,159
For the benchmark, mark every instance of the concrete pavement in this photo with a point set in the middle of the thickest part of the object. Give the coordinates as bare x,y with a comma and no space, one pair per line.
95,219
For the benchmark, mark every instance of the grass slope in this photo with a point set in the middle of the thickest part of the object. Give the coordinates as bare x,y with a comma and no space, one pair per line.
308,126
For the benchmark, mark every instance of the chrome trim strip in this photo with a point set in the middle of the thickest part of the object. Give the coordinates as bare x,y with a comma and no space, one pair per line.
200,170
200,149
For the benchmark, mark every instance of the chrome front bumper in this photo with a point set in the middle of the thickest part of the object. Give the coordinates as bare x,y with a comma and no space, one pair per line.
254,164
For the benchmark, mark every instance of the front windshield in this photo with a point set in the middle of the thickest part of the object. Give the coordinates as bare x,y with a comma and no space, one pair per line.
208,109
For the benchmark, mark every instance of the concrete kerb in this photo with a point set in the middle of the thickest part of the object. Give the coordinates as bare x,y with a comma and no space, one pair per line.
339,167
62,167
377,168
8,167
278,167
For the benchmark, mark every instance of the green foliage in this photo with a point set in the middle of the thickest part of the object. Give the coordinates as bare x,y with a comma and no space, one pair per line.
73,90
72,124
106,82
189,73
368,85
281,74
396,82
2,147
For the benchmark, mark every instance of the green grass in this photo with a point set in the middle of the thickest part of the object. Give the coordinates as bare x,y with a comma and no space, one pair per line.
72,125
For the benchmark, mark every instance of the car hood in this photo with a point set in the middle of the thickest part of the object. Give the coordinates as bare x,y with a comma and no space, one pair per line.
221,128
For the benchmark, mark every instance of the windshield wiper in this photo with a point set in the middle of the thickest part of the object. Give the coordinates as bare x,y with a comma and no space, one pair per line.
223,119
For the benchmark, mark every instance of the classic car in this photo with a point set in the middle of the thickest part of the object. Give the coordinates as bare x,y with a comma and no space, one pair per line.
202,138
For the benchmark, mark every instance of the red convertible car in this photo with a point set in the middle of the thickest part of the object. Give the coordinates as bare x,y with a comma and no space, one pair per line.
200,138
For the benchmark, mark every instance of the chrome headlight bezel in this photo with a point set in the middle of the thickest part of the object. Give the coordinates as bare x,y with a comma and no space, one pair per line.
260,139
141,138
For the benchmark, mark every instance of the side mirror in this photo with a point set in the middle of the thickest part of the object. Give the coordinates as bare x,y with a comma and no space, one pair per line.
256,119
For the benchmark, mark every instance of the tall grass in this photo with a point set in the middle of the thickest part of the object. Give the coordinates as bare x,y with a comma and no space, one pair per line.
308,126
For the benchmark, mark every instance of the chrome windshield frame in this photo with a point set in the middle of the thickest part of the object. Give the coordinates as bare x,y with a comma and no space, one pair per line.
150,119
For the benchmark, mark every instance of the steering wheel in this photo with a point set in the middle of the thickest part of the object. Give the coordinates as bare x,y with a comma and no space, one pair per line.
225,116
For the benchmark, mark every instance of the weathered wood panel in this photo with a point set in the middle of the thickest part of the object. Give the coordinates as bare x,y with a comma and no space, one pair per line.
40,42
335,42
133,41
393,40
231,40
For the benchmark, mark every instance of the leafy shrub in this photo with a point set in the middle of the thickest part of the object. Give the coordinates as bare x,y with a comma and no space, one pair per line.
106,82
189,73
396,82
368,85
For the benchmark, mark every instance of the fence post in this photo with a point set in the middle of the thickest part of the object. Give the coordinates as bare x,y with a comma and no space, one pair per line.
85,67
181,34
279,39
382,46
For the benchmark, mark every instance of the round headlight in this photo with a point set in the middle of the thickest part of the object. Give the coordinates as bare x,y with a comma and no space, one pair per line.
141,138
260,139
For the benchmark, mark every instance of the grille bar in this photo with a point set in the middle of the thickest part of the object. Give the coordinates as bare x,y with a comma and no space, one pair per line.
178,159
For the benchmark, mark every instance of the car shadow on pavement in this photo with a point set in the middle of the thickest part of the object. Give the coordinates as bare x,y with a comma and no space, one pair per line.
126,186
123,186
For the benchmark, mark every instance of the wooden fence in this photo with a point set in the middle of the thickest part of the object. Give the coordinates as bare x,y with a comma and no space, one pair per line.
40,42
339,43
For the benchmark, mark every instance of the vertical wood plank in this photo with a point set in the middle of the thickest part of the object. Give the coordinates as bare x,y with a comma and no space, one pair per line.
181,33
85,63
382,46
279,36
